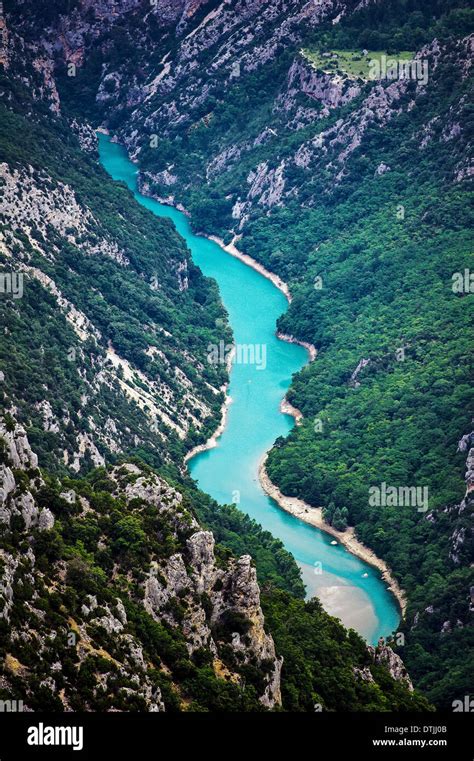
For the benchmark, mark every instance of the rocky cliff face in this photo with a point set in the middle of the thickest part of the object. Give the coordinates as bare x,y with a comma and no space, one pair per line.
113,598
67,260
190,58
385,656
231,599
185,50
319,91
59,626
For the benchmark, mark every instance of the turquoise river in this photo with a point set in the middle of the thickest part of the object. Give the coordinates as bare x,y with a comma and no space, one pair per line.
348,587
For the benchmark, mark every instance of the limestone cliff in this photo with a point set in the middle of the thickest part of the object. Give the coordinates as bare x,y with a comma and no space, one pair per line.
57,624
68,266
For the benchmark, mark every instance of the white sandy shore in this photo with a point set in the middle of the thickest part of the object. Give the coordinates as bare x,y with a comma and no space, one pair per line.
285,405
313,516
212,441
232,249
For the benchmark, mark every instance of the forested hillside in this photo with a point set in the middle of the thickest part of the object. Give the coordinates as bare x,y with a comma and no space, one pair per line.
267,122
108,299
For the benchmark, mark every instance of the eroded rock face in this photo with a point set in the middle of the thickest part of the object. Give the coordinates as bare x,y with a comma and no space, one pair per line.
8,567
213,601
354,382
7,483
215,607
241,594
15,501
385,656
45,216
326,91
19,452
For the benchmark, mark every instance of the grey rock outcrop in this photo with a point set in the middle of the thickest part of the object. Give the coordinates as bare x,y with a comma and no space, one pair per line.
209,597
385,656
16,501
18,448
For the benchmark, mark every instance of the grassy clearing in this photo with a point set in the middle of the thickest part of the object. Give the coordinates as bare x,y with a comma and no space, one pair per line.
354,64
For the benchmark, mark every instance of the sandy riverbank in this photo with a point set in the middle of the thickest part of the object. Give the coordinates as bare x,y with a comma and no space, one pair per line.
285,406
212,441
232,249
293,505
313,516
287,409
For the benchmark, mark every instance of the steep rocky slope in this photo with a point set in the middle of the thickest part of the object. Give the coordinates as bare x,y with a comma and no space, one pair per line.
71,641
112,597
266,122
97,300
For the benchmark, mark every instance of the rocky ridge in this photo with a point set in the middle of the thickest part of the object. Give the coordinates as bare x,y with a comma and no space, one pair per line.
214,607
